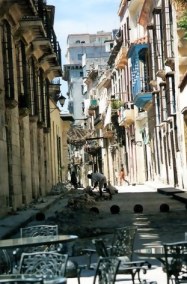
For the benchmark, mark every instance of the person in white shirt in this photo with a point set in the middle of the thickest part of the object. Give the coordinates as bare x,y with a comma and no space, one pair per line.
98,179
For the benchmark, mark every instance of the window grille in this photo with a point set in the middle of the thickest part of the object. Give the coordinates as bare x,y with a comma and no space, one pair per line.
8,61
170,94
152,66
168,29
164,110
40,96
22,75
32,81
158,39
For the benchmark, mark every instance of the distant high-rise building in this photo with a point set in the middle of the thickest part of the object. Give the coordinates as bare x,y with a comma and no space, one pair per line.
84,52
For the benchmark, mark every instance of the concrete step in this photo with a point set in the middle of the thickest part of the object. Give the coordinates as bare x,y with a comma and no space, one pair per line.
169,190
181,197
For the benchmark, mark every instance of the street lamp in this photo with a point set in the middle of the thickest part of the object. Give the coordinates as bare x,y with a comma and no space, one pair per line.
61,100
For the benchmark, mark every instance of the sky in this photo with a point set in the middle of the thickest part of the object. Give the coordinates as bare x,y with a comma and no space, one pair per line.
83,16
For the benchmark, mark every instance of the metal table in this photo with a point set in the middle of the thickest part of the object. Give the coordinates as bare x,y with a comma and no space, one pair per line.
154,251
36,241
30,278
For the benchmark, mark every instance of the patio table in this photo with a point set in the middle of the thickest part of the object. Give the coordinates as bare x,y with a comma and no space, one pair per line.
152,251
31,278
36,241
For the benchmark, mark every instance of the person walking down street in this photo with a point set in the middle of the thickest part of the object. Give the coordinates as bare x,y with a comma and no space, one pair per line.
74,180
99,180
122,176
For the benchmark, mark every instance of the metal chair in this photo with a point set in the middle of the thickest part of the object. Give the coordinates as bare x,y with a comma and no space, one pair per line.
176,262
34,231
122,247
106,270
47,264
5,262
39,230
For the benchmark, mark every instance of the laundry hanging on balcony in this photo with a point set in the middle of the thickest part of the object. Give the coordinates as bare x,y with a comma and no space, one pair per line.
77,136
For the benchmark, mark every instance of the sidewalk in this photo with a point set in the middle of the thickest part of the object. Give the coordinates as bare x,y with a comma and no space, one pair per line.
11,223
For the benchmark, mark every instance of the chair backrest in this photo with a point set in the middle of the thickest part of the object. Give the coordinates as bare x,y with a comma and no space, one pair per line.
176,261
43,263
100,247
5,262
123,242
39,230
106,270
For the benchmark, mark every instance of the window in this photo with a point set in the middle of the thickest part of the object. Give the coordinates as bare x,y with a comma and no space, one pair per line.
7,61
168,29
79,56
33,87
170,94
156,97
151,51
158,39
40,96
22,73
164,112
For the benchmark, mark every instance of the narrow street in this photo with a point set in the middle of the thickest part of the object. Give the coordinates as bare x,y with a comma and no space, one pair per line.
153,226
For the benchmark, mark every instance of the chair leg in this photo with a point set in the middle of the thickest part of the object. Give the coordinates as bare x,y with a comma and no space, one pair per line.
133,277
79,275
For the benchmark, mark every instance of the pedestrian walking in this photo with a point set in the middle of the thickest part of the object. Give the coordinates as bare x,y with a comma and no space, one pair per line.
122,176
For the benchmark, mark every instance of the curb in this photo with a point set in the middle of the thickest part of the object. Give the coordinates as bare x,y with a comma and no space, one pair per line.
10,224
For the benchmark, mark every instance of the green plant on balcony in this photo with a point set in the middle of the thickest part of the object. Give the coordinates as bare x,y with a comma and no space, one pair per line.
182,23
115,104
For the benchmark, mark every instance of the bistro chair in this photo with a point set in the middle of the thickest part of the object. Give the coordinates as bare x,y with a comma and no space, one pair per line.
122,248
176,262
5,262
106,270
39,230
35,231
47,264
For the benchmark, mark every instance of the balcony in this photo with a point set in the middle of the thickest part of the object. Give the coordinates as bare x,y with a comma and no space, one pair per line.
93,104
126,117
98,121
54,87
116,104
142,99
108,134
142,92
105,80
92,148
121,59
31,27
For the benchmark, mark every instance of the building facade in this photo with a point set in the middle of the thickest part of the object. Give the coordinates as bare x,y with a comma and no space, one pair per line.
139,108
30,60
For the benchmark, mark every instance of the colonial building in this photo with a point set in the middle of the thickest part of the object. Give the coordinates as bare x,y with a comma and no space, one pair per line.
145,89
30,142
